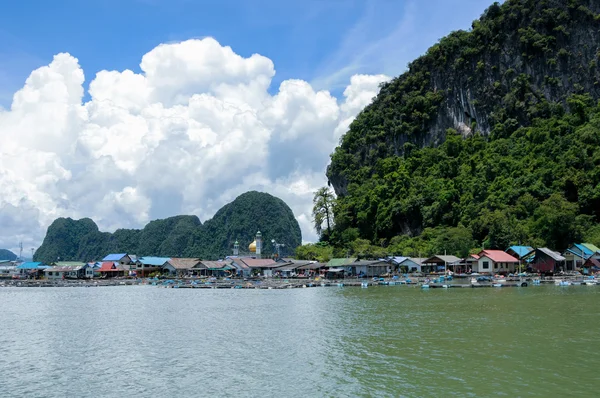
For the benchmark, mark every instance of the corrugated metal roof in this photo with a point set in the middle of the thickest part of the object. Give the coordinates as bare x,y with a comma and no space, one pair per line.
498,256
555,255
215,264
340,262
156,261
62,269
107,266
260,262
184,263
441,259
580,250
114,257
312,266
592,247
70,264
368,263
592,261
29,265
288,267
520,250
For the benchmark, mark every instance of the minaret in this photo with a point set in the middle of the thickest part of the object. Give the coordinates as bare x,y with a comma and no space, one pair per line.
236,248
258,244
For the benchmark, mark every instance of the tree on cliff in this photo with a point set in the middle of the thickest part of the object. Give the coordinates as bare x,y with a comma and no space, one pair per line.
323,211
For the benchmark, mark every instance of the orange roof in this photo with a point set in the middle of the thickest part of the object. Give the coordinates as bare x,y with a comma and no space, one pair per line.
498,256
107,266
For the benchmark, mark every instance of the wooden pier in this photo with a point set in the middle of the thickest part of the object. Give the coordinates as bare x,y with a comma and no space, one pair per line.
271,283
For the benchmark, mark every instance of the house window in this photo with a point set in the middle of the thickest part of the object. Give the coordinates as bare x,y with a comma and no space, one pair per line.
495,265
485,265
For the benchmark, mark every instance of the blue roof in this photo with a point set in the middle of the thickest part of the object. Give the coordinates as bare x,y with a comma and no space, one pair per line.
114,257
30,265
520,250
578,248
153,260
398,260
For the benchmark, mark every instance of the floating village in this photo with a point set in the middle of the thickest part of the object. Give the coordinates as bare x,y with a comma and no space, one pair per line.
518,266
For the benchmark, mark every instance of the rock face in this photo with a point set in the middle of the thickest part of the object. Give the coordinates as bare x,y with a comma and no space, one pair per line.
179,236
519,60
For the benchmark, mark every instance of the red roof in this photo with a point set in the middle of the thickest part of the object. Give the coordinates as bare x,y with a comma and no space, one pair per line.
498,256
108,266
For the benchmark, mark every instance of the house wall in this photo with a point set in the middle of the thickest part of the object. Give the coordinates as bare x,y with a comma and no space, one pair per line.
411,266
378,270
543,262
361,268
495,266
484,264
125,260
54,274
170,269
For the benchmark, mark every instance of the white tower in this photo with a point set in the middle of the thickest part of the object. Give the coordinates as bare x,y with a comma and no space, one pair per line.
236,248
258,244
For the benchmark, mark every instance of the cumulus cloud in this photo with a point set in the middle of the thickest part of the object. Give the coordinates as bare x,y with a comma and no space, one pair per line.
196,128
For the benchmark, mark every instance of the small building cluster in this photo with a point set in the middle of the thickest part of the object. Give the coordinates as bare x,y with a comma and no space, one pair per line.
582,257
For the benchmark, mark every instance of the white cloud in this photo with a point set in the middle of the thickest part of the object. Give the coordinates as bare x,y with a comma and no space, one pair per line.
191,132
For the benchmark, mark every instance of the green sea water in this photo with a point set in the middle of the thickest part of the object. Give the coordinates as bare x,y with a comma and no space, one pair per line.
317,342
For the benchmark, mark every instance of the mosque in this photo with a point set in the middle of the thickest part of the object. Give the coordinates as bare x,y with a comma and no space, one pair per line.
254,248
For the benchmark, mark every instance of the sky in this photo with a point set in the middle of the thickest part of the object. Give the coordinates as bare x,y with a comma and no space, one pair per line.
126,111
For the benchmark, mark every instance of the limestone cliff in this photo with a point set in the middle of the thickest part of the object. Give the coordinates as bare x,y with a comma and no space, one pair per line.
519,62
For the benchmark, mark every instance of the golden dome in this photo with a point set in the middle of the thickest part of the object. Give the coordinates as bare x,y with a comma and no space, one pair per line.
252,247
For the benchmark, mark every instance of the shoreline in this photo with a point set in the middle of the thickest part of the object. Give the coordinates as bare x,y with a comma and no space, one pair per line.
289,283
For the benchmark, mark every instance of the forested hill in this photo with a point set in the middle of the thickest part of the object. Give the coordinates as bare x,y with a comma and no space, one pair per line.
7,255
180,236
495,130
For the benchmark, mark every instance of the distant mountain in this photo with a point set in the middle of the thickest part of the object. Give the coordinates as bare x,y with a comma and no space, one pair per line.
185,236
7,255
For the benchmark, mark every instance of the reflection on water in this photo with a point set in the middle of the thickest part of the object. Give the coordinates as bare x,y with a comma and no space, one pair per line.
380,341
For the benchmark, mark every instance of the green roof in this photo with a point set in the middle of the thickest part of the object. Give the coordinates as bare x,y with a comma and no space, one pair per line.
340,262
591,247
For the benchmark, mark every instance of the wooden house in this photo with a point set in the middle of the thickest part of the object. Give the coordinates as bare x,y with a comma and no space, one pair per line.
544,260
440,263
180,266
496,262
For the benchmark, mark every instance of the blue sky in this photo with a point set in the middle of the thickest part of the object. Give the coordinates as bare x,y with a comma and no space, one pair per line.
200,125
321,41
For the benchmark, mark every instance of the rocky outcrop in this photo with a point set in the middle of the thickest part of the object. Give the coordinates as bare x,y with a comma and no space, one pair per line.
179,236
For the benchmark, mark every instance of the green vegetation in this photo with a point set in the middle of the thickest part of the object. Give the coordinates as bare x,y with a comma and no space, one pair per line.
489,139
7,255
323,210
180,236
